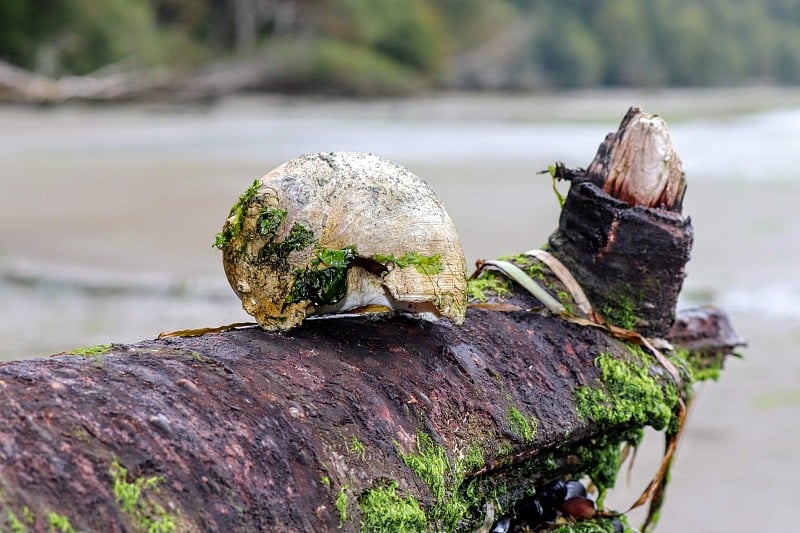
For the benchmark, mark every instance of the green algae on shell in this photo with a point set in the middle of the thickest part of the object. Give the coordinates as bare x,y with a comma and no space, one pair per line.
342,232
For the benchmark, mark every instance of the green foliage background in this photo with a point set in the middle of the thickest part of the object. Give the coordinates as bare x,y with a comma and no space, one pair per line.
386,46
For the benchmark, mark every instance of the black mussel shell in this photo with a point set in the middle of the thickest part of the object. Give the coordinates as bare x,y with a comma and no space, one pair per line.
501,525
552,495
575,489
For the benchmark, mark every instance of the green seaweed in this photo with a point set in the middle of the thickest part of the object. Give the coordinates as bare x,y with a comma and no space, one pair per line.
269,220
324,280
424,264
299,238
233,224
384,511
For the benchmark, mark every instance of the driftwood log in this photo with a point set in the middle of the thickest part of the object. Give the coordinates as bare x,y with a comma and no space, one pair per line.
359,424
116,83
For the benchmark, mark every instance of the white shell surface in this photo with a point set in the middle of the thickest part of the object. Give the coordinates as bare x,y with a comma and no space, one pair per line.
337,201
645,169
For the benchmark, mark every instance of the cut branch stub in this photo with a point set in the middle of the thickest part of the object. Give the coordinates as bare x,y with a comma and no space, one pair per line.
621,232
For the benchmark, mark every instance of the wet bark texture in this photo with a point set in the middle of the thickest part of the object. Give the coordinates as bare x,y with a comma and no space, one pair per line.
243,426
630,260
255,431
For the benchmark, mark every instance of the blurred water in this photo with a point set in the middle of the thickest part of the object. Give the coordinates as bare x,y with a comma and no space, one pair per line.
107,216
750,146
95,197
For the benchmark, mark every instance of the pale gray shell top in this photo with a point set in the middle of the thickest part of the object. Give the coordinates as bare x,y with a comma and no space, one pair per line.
347,200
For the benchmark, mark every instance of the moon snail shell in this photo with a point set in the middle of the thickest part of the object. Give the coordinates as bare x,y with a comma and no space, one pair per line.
342,232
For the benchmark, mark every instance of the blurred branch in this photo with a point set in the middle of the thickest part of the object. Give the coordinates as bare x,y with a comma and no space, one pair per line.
20,85
23,86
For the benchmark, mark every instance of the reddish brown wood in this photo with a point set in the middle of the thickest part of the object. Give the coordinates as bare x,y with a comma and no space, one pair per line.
244,425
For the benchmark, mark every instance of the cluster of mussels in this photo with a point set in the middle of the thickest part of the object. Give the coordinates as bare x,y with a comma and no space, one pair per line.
558,498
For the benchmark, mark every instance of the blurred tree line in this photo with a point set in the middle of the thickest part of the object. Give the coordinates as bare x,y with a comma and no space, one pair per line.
389,46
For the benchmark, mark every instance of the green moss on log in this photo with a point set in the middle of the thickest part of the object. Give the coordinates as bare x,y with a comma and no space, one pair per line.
135,499
628,394
384,511
446,480
489,283
524,427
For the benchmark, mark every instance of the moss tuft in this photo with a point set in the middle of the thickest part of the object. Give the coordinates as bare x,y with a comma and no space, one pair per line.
602,457
702,366
95,353
430,464
620,312
89,351
596,525
341,505
521,425
59,523
446,481
482,287
532,266
357,447
145,515
627,394
15,524
384,511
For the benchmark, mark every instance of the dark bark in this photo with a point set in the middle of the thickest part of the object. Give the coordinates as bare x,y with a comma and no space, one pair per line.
244,425
630,260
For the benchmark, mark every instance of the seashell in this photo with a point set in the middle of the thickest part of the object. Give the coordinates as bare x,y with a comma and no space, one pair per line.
342,232
642,166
